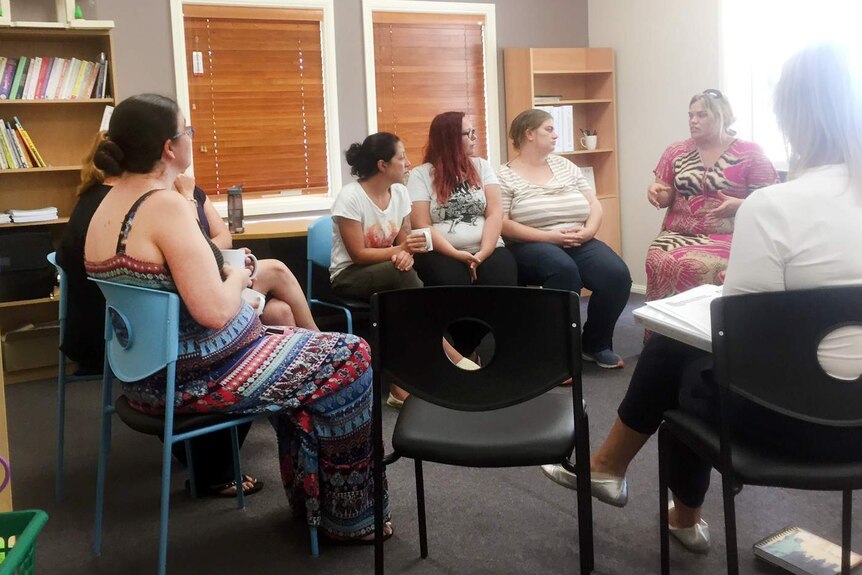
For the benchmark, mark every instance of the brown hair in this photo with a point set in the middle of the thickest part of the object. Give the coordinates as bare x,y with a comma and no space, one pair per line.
90,174
524,122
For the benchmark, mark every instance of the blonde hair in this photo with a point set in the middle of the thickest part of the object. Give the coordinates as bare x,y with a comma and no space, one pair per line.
818,105
524,122
90,174
718,105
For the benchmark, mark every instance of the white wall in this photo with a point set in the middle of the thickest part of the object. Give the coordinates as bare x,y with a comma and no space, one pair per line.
665,52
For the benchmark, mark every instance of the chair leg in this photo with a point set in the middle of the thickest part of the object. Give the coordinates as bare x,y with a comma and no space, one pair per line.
420,508
104,447
584,498
664,530
190,469
315,544
727,493
846,516
237,470
61,426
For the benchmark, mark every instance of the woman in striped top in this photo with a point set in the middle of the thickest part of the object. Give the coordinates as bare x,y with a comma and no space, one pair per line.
550,219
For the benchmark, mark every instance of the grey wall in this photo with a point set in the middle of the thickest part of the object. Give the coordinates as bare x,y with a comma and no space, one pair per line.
144,49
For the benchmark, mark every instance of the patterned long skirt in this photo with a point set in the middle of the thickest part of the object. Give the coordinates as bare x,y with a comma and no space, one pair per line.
676,262
318,389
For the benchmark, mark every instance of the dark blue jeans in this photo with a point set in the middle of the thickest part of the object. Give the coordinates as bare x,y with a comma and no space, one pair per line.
594,266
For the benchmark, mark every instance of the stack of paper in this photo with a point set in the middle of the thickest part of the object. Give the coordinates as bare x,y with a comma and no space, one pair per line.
5,218
39,215
690,308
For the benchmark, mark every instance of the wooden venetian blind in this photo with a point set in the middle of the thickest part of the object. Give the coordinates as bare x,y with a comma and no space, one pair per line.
256,97
426,64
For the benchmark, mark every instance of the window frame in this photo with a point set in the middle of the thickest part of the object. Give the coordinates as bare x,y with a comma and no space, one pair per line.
277,205
487,11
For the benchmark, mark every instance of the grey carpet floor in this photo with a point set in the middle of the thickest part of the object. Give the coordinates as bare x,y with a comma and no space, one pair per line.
480,521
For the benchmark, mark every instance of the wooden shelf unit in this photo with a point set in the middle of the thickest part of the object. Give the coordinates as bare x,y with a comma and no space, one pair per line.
63,131
584,79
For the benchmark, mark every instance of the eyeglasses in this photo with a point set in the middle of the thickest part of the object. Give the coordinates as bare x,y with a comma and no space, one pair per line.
188,131
713,93
471,133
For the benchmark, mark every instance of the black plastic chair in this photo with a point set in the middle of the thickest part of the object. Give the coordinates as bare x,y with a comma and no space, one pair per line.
497,416
765,350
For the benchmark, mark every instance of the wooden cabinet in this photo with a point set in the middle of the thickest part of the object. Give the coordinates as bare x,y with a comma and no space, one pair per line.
584,79
63,131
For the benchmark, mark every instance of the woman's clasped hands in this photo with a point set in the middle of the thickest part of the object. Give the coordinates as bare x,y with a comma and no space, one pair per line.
570,237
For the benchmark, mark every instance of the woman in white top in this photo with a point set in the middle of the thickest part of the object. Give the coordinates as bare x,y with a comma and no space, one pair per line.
456,195
372,249
802,234
550,219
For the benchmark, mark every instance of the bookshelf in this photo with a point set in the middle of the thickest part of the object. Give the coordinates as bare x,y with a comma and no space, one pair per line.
584,79
63,131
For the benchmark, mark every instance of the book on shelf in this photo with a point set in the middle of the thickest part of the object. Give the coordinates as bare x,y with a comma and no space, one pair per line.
37,215
563,117
19,76
7,73
5,218
546,99
803,553
31,147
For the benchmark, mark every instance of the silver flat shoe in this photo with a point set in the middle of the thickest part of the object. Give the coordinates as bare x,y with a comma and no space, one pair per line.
694,538
607,489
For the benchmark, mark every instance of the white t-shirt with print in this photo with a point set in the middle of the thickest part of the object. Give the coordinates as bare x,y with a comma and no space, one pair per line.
379,227
462,219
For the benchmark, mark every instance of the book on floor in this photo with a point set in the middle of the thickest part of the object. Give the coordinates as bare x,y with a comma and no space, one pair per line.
803,553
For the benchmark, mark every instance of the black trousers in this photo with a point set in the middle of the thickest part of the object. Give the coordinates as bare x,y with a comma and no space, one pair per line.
213,457
435,269
671,374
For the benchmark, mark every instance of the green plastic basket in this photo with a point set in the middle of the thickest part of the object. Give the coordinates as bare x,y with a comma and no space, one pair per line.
18,531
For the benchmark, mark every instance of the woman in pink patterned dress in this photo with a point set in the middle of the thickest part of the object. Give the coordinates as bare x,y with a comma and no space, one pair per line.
702,181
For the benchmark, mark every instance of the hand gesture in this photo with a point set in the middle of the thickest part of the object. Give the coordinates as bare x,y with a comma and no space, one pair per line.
727,208
565,238
403,260
580,236
185,185
658,195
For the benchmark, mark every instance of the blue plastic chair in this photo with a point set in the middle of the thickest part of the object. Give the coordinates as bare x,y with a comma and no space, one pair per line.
142,338
320,254
62,379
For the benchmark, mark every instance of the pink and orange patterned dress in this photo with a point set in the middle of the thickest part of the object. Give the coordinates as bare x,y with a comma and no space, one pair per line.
693,247
315,386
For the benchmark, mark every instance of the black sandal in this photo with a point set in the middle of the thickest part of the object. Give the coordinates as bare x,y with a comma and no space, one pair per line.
228,490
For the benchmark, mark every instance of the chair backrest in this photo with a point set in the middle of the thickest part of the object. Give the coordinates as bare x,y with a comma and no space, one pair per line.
61,274
765,348
141,329
320,241
537,343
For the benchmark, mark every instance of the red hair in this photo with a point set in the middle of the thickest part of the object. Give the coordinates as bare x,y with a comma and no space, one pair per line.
445,152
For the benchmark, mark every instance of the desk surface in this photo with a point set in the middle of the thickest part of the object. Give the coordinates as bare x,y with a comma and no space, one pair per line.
274,229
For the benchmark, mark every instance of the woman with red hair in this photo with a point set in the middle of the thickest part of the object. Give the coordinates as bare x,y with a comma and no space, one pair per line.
457,196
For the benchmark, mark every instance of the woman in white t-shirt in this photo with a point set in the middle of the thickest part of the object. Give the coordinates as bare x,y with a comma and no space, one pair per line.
372,249
457,195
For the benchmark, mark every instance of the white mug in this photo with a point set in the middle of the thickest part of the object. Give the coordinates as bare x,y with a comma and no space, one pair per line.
590,142
429,247
236,259
254,298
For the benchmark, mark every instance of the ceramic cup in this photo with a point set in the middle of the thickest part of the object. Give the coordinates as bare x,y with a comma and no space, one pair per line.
429,246
236,259
590,142
255,298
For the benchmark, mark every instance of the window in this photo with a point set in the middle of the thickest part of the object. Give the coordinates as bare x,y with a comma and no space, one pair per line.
428,58
758,36
253,81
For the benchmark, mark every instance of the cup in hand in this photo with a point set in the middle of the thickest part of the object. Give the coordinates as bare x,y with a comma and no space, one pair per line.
256,299
590,142
236,259
426,232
